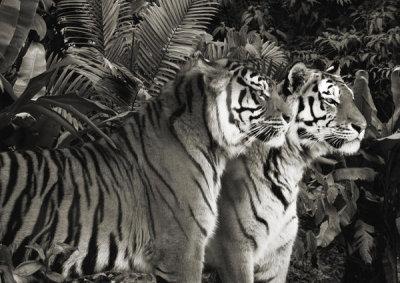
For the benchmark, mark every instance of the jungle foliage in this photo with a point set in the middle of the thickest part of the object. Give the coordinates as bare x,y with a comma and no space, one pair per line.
72,70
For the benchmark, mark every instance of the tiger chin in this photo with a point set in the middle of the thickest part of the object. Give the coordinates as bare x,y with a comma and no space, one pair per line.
149,205
257,221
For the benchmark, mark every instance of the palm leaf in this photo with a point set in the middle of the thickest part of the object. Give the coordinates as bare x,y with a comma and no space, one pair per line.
33,64
168,35
9,13
105,25
25,19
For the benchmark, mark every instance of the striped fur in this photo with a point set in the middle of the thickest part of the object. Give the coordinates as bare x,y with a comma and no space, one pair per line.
150,205
257,222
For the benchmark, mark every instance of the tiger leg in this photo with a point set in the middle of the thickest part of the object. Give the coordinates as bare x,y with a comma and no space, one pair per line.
179,246
232,259
180,263
274,267
237,266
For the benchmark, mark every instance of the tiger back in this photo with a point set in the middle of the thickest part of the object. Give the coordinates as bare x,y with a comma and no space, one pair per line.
150,204
257,207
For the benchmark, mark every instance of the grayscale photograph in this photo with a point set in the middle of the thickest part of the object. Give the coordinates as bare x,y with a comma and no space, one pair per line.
199,141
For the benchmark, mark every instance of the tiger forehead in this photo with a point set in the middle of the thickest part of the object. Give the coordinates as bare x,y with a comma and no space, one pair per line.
251,78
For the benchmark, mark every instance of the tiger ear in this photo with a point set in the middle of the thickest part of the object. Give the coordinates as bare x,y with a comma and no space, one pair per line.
197,62
297,76
334,68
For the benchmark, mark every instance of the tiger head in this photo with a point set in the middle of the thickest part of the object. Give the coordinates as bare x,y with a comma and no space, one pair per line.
247,107
326,117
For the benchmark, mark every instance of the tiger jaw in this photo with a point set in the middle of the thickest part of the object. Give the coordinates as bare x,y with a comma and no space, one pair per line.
346,146
273,134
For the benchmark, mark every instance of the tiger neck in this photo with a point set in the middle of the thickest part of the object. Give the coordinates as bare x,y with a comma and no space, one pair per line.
281,168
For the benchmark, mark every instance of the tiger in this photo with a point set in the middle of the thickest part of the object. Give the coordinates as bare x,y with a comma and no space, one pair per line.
257,222
149,203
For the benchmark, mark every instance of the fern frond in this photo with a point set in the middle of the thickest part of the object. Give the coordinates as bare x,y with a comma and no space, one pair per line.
105,25
168,35
364,240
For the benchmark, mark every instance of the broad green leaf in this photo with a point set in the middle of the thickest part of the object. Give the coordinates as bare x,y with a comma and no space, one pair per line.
25,19
33,64
39,25
28,268
353,174
9,14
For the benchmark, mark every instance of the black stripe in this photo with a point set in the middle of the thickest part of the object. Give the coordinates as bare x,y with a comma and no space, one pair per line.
242,228
254,210
244,72
18,254
211,143
158,106
124,136
155,171
315,88
242,94
119,220
241,81
12,177
72,272
211,162
74,225
189,95
254,96
173,117
81,158
165,183
255,187
203,194
311,102
301,105
229,103
172,212
202,229
30,183
276,190
98,172
89,262
113,252
153,230
256,117
330,121
149,114
46,175
252,110
60,165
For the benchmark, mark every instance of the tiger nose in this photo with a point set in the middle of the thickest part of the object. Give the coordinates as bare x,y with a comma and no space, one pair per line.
357,127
